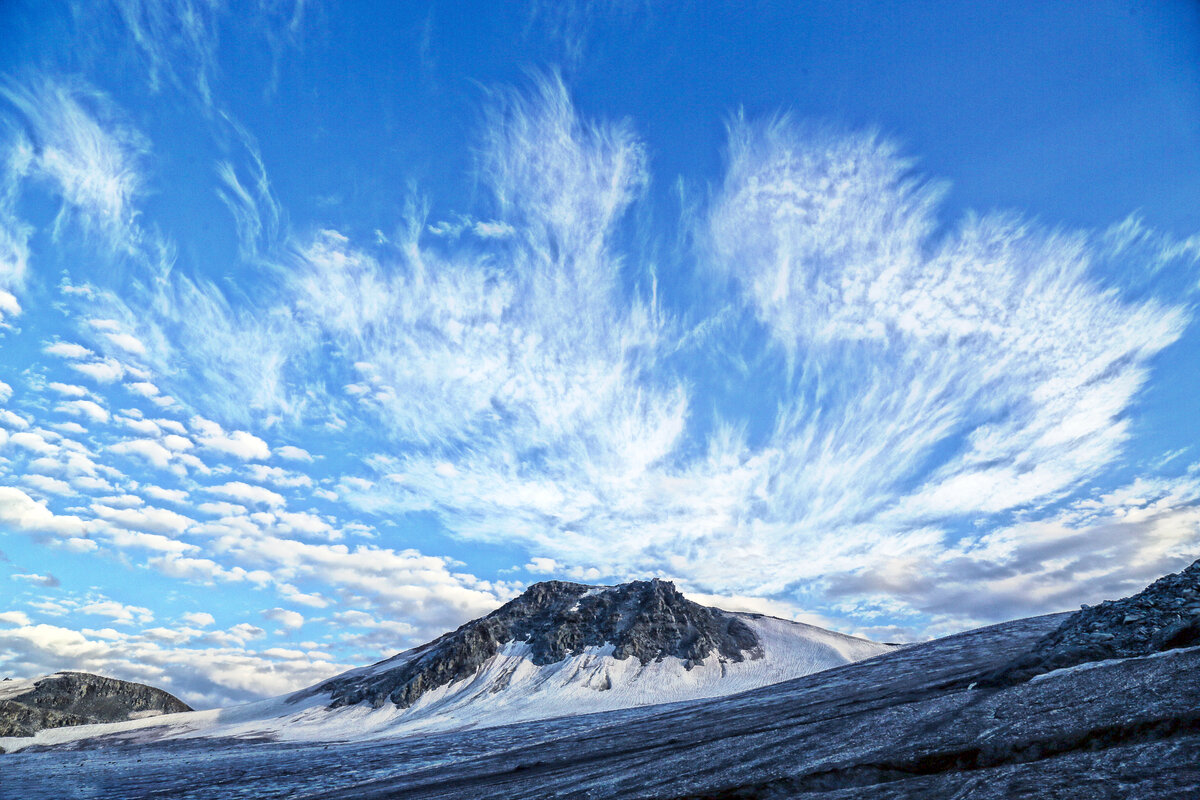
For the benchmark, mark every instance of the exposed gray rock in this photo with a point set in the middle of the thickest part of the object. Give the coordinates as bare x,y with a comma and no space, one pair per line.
1163,616
646,620
80,698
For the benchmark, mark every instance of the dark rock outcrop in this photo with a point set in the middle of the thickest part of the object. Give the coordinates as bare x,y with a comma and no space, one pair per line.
1163,616
646,620
79,698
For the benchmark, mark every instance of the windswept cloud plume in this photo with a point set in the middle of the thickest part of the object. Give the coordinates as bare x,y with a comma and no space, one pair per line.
923,373
842,402
74,140
177,41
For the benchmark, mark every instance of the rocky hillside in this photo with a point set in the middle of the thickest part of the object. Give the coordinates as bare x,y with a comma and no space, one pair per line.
645,620
77,698
1163,616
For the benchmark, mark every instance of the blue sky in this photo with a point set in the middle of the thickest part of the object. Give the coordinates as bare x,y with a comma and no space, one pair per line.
327,327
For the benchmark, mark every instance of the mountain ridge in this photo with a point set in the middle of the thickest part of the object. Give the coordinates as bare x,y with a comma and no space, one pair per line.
646,620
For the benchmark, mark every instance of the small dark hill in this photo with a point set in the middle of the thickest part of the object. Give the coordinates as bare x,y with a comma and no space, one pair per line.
79,698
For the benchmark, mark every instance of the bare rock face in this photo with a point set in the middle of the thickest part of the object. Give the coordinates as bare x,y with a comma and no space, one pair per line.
646,620
79,698
1163,616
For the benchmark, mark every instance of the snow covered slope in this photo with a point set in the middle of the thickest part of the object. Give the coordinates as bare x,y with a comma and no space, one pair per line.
661,648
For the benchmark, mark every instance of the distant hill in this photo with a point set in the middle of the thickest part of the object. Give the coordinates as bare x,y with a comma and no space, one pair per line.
77,698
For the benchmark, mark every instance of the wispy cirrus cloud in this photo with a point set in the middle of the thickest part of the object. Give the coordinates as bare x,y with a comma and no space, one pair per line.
177,42
963,371
14,258
932,372
73,139
917,403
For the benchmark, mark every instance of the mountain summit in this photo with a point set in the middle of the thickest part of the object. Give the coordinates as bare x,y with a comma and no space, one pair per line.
567,648
555,620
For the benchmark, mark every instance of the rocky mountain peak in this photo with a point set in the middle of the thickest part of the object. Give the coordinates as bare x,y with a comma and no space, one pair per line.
1163,616
647,620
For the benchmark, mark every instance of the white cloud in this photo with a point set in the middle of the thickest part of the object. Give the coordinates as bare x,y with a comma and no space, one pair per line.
201,619
244,631
286,618
49,485
14,261
177,443
125,536
199,570
68,350
106,370
36,579
12,420
278,476
522,387
292,453
91,483
242,444
85,408
149,519
239,490
205,676
34,441
123,501
68,389
127,342
6,392
174,426
542,566
143,426
1094,549
14,617
917,378
167,495
146,449
221,509
305,524
126,614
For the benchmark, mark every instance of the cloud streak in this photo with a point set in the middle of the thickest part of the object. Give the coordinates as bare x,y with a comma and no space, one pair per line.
73,140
